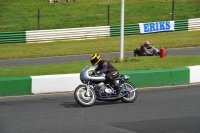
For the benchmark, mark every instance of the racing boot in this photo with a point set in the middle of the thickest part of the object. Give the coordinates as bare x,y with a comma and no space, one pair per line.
119,90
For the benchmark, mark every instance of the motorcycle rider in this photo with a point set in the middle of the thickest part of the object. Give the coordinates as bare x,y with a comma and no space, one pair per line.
107,68
146,49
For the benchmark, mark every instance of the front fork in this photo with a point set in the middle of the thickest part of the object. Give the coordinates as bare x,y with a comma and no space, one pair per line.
87,86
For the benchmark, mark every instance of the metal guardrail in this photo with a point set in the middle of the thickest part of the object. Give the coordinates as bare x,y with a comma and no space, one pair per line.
193,24
67,34
129,29
85,33
181,25
12,37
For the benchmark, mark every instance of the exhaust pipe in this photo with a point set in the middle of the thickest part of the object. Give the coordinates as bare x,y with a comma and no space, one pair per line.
133,90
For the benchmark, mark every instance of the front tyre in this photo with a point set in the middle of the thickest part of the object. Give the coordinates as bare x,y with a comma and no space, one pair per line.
81,97
131,97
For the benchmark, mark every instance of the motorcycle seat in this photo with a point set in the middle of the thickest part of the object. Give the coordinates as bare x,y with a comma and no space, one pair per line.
119,78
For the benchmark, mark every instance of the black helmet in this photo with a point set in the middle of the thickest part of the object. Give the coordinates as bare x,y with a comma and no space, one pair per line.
95,58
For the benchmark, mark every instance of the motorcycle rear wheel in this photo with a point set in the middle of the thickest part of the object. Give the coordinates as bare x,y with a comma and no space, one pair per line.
129,98
82,99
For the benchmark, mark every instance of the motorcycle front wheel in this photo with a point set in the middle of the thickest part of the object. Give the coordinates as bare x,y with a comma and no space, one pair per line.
81,97
131,97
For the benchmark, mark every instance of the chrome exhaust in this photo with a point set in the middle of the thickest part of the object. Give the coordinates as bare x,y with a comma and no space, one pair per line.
133,90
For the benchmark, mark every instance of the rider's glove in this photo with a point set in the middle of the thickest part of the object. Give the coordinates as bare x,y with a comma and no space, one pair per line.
90,73
98,72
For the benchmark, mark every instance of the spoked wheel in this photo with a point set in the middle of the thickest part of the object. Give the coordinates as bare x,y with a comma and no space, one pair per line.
83,99
131,97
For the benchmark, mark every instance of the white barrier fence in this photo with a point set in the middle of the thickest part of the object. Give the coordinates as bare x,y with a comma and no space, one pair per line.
54,83
193,24
67,34
194,73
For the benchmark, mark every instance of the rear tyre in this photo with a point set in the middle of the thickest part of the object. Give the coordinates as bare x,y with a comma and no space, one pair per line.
82,99
132,96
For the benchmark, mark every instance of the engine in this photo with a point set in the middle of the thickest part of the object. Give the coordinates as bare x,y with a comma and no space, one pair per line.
105,88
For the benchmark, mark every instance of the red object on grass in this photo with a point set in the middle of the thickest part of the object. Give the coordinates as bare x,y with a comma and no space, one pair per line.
162,52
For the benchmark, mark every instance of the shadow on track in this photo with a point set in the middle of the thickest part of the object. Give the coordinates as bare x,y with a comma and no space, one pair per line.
97,103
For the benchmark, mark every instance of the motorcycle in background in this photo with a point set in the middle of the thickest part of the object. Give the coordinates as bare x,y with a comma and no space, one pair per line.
156,52
95,87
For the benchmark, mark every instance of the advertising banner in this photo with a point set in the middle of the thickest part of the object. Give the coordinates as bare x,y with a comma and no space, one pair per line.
156,27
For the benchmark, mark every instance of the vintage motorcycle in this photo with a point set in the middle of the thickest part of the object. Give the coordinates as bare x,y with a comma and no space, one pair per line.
95,87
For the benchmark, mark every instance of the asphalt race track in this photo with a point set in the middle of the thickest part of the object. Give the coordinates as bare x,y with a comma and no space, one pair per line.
63,59
156,110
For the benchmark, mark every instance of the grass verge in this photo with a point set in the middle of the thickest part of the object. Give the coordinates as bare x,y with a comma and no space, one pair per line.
141,63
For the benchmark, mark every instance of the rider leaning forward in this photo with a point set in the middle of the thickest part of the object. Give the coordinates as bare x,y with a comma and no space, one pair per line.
107,68
146,49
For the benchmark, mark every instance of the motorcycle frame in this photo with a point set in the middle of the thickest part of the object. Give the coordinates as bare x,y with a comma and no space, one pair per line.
94,86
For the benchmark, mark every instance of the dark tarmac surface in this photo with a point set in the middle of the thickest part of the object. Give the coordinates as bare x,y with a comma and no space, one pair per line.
158,110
